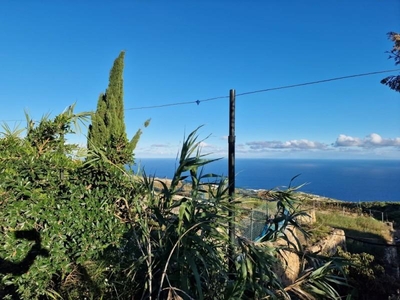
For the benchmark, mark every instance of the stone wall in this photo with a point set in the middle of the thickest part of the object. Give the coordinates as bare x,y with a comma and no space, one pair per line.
290,263
329,244
290,266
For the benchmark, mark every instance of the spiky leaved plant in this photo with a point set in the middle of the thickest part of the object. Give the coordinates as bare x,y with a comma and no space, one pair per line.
260,262
177,245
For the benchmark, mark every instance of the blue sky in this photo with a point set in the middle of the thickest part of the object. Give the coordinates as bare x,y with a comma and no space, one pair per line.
55,53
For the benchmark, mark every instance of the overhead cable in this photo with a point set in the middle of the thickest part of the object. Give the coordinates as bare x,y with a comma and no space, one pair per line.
314,82
177,103
266,90
198,102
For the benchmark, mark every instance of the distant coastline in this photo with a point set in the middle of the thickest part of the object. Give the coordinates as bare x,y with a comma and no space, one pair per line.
346,180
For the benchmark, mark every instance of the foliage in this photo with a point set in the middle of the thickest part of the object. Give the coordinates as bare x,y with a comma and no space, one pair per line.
177,245
321,280
393,82
41,191
320,275
107,131
88,229
367,278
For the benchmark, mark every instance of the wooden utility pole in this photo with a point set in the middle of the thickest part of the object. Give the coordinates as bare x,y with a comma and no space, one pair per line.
231,178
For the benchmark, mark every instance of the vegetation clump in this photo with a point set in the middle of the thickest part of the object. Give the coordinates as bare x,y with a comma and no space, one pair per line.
95,232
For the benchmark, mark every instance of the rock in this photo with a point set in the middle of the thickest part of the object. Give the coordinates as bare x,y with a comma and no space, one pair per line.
328,246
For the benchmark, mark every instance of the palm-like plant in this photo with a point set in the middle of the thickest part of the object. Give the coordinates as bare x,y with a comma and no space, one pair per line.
177,245
179,242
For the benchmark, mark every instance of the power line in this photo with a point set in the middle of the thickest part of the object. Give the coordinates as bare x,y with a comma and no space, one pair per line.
315,82
251,92
267,90
177,103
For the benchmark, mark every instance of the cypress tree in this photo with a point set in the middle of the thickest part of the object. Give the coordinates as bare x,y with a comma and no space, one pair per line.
107,131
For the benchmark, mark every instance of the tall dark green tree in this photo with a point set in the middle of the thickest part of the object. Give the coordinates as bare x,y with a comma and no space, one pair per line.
107,131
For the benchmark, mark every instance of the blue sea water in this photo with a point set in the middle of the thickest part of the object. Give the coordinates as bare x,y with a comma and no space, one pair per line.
348,180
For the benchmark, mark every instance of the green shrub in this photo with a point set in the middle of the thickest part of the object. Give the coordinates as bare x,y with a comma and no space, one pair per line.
88,229
42,191
366,277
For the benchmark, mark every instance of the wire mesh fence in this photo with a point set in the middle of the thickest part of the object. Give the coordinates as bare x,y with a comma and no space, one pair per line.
252,224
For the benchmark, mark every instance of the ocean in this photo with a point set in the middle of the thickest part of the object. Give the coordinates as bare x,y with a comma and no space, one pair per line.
348,180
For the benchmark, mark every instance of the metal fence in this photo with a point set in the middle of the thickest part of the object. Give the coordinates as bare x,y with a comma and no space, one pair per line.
252,224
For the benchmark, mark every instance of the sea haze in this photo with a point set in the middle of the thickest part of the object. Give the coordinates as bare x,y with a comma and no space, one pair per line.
349,180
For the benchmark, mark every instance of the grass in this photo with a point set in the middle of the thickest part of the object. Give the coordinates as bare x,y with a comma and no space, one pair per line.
363,233
366,227
317,232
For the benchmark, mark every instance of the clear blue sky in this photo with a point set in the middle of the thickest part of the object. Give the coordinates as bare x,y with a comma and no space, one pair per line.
55,53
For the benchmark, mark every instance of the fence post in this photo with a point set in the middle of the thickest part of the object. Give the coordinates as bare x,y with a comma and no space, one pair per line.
251,224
